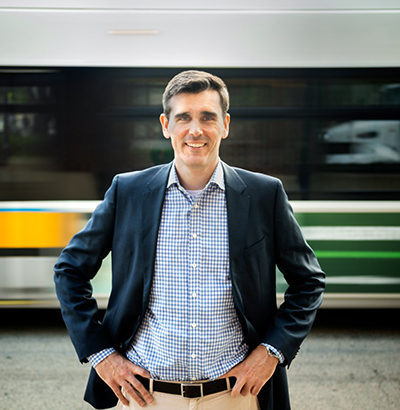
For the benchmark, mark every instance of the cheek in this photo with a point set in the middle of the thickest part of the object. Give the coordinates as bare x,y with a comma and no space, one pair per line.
178,133
176,143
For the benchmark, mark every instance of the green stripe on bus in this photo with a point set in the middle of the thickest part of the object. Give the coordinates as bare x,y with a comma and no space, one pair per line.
355,246
348,219
357,254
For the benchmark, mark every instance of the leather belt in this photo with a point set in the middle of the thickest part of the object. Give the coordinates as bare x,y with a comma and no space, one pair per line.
189,390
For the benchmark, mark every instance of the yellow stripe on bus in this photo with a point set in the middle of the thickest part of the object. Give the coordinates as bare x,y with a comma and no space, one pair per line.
37,229
22,302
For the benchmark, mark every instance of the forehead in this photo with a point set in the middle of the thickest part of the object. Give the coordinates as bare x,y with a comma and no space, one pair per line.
208,100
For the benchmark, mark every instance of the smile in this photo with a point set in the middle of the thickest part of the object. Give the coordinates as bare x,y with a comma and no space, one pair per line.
195,145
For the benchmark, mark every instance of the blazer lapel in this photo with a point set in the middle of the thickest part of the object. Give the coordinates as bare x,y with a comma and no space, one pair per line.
238,204
152,203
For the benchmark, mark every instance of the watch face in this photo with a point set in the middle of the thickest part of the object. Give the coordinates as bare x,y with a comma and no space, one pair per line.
272,353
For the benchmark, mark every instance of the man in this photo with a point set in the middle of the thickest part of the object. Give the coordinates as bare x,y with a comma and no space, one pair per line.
192,318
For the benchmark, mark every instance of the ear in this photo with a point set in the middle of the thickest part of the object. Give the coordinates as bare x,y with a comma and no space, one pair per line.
164,124
226,126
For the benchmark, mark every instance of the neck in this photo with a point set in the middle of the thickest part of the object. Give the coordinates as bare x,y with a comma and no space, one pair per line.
194,178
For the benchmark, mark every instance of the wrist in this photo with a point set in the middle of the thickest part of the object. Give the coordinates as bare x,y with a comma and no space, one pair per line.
97,358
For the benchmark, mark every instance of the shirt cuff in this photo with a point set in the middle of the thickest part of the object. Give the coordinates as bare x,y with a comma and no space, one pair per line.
98,357
281,356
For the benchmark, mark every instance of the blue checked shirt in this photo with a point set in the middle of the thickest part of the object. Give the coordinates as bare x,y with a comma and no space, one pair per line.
190,330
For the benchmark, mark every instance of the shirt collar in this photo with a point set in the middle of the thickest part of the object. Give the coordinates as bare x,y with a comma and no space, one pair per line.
216,178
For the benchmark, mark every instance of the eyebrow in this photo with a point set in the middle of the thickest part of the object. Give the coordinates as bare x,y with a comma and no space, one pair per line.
181,114
209,114
186,114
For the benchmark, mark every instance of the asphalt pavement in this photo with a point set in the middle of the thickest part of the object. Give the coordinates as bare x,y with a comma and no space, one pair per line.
351,360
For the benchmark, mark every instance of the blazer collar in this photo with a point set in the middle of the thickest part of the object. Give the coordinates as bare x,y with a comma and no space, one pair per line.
160,178
233,179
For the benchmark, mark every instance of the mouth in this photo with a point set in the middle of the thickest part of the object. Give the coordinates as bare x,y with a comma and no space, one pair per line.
196,144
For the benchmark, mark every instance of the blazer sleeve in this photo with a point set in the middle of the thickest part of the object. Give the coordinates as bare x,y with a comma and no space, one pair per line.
299,265
78,263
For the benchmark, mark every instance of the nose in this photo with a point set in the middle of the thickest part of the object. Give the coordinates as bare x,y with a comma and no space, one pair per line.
195,129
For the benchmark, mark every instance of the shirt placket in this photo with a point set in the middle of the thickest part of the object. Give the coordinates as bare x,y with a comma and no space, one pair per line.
194,288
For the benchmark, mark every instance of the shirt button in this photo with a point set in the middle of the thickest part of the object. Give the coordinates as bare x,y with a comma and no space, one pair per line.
195,206
194,294
194,379
194,236
194,325
194,265
193,356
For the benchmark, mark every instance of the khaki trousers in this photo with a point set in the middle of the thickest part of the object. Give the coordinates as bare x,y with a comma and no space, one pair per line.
217,401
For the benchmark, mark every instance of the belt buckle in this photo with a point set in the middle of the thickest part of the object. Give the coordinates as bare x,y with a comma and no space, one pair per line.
199,385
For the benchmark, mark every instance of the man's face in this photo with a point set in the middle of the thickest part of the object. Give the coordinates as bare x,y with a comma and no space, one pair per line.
196,126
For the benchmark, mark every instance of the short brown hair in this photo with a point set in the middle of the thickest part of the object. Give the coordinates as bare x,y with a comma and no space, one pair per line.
193,81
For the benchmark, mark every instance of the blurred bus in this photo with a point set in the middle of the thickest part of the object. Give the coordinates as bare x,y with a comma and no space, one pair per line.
314,101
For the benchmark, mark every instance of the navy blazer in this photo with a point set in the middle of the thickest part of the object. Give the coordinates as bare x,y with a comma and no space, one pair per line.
263,234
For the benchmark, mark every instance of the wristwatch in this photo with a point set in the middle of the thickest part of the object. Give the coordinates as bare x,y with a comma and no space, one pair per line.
272,353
